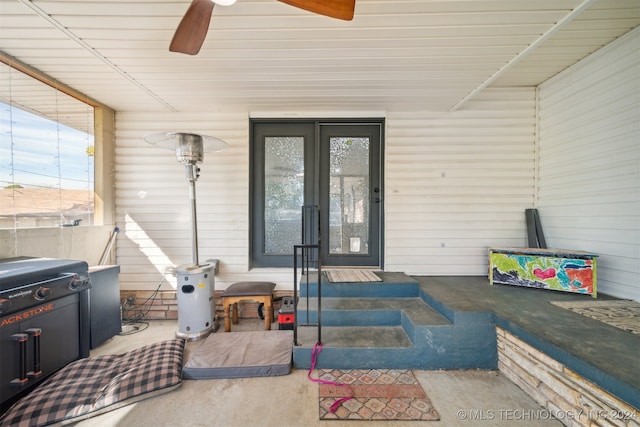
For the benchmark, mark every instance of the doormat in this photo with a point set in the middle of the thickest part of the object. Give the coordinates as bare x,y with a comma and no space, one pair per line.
377,395
350,276
621,314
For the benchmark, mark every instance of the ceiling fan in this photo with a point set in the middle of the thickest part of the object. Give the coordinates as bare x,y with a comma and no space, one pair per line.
194,25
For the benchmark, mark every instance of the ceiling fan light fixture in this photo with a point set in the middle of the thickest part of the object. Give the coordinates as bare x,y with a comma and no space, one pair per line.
224,2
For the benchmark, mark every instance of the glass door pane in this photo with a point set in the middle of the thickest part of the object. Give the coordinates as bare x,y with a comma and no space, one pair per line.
283,193
349,195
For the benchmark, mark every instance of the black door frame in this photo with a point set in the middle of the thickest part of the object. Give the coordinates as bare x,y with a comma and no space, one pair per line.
257,259
372,131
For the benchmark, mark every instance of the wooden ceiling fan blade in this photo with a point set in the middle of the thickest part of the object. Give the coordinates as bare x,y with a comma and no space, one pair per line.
339,9
193,27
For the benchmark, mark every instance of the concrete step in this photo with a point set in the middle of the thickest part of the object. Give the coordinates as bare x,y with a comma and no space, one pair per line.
395,332
391,347
348,347
356,337
389,324
393,285
369,311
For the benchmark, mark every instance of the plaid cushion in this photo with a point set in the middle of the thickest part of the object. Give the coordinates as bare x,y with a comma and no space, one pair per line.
88,387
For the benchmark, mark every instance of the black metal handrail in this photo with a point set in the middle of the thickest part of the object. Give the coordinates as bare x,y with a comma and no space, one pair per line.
303,251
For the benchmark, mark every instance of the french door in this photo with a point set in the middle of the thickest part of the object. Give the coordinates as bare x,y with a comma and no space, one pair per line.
335,166
350,194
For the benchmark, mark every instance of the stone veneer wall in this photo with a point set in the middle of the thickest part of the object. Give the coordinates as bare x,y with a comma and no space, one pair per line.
160,305
572,399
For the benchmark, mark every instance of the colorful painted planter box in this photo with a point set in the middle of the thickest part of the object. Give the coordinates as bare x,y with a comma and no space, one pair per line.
557,269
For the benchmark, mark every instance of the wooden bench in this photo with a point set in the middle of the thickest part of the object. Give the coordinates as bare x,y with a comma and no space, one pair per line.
261,292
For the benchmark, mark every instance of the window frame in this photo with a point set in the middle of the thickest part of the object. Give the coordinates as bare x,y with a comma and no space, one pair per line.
306,129
312,190
104,141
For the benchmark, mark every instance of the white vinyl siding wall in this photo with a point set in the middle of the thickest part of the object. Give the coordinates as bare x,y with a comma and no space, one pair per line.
458,182
153,207
434,224
589,162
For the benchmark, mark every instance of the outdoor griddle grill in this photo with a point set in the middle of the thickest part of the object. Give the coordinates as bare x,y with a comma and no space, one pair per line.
44,321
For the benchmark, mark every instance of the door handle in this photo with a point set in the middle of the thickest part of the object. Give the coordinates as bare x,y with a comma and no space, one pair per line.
37,370
22,354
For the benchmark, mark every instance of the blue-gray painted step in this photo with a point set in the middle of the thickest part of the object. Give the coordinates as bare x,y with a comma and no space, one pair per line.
356,337
401,333
432,347
369,311
390,324
393,285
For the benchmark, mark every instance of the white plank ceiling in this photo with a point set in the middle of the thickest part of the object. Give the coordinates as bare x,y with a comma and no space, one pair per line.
264,55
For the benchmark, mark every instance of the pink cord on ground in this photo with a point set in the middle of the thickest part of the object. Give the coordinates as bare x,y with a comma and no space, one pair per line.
317,348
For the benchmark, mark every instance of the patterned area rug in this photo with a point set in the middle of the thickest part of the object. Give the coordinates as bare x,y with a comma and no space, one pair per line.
621,314
377,395
349,276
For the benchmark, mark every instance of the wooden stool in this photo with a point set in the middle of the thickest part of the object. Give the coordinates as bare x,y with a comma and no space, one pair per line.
262,292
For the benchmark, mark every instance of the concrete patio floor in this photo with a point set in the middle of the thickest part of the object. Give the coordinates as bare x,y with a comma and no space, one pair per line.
462,398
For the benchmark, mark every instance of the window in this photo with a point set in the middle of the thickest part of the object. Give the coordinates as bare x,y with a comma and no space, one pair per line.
46,154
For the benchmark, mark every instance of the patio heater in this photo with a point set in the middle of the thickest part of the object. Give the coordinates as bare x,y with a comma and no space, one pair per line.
195,281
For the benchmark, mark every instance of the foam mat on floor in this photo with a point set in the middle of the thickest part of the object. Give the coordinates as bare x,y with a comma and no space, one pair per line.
241,355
